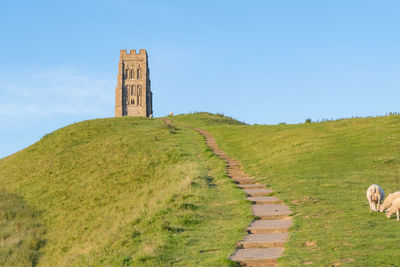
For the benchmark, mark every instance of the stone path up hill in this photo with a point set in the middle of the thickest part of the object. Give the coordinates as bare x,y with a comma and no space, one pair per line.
267,235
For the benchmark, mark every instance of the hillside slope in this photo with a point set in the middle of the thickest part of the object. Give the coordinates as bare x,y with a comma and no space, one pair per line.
322,170
128,191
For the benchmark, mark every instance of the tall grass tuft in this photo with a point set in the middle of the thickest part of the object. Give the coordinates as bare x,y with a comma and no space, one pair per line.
21,232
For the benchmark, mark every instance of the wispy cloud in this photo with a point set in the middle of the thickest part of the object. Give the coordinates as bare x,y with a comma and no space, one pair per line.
60,91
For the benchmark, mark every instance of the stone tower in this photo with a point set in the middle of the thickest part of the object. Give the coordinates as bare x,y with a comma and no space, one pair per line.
133,96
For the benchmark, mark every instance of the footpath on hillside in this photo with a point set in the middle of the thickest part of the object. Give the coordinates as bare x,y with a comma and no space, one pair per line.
267,235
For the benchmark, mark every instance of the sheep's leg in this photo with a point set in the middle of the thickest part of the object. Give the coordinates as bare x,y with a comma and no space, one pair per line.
397,213
370,205
378,205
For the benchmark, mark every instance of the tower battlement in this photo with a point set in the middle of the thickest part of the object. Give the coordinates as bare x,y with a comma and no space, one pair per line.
132,52
133,96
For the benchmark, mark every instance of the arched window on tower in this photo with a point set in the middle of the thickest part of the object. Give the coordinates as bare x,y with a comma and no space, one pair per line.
139,95
126,95
132,74
138,74
126,74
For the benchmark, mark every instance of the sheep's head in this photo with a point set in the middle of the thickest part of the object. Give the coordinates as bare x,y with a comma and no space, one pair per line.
388,214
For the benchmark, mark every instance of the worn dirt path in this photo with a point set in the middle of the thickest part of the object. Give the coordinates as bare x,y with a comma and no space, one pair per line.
267,235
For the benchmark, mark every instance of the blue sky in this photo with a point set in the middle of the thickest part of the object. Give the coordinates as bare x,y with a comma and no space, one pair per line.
259,61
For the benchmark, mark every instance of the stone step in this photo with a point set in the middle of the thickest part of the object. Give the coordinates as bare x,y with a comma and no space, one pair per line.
264,200
234,171
243,177
257,257
251,186
238,175
269,226
244,180
271,211
273,240
258,192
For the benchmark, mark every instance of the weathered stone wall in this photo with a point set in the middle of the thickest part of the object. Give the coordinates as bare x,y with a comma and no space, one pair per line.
133,96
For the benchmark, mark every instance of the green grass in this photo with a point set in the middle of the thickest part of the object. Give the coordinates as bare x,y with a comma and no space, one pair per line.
134,191
21,232
127,192
322,170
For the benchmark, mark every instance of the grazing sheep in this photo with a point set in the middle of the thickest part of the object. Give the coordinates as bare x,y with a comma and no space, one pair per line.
388,201
171,114
375,195
394,208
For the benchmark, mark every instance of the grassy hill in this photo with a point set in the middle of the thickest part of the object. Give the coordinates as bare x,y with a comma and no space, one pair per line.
134,191
322,170
119,192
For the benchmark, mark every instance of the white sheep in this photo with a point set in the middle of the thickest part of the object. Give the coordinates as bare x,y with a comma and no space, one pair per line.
394,208
388,201
375,195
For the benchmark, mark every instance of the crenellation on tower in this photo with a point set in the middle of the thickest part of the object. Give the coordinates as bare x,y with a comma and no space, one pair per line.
133,96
